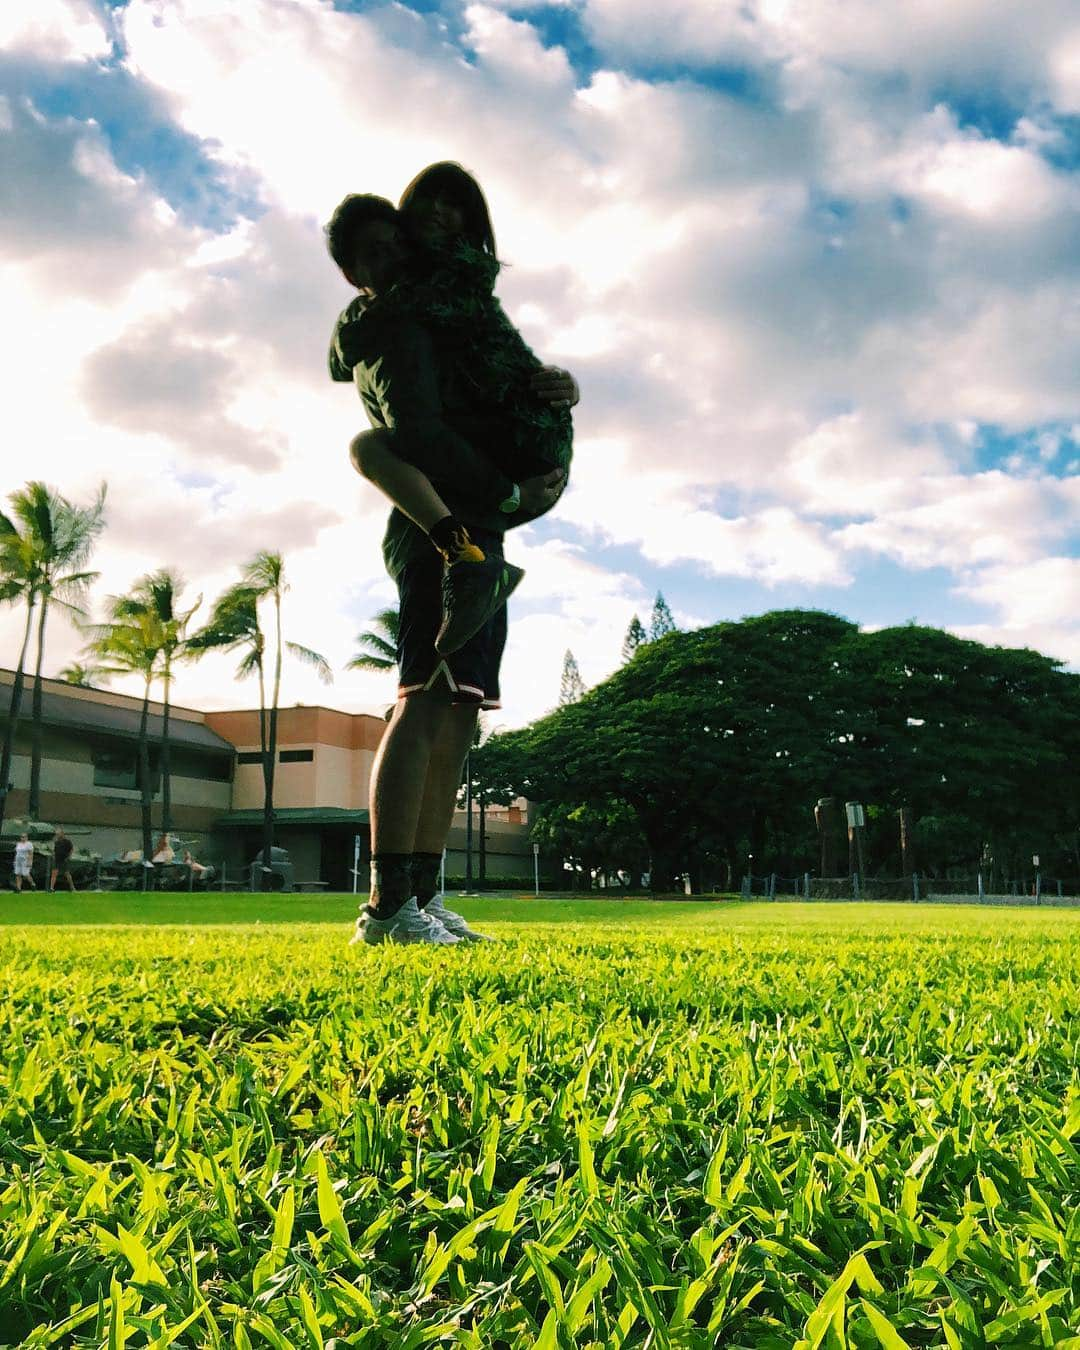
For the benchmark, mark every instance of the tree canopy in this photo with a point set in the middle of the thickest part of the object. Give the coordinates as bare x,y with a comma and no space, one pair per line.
719,741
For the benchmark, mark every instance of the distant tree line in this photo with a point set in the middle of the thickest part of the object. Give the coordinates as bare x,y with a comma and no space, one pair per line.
710,746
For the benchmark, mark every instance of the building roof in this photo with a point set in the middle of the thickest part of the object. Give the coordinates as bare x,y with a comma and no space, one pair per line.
298,815
80,714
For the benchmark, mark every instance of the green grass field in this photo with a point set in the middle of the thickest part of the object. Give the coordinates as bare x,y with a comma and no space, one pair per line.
627,1124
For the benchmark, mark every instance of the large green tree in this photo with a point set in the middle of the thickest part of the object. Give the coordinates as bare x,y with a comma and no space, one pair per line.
721,740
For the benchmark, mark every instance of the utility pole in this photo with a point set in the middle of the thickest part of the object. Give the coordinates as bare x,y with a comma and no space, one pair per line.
825,816
468,825
856,821
907,841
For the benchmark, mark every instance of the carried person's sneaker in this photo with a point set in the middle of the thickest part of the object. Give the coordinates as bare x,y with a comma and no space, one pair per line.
471,593
409,924
460,548
453,922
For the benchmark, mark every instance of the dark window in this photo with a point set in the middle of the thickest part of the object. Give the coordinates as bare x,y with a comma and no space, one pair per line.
120,769
249,757
115,769
297,756
185,762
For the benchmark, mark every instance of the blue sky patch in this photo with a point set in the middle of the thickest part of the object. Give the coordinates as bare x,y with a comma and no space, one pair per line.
142,138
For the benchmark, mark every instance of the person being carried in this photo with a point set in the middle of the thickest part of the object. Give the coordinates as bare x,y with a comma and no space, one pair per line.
515,411
24,863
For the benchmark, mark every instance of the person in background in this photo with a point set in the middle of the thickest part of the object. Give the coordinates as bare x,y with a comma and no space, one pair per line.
62,851
24,862
163,850
200,870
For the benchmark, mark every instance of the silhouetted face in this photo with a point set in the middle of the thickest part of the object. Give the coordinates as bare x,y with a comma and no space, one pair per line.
378,256
436,220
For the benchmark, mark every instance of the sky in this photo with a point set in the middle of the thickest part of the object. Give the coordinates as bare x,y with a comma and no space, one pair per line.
814,263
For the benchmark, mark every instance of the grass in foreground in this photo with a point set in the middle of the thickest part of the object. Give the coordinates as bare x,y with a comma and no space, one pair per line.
626,1125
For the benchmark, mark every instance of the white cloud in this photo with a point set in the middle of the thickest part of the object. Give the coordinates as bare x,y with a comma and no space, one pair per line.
722,274
61,30
963,522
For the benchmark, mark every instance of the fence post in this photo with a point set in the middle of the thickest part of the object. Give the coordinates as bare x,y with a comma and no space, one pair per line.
982,889
806,885
190,877
1060,892
772,886
915,886
746,888
854,885
1038,887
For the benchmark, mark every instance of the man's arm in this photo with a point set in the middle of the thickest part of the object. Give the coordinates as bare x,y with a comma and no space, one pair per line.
398,381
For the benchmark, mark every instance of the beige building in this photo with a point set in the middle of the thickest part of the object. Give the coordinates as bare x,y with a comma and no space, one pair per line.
90,782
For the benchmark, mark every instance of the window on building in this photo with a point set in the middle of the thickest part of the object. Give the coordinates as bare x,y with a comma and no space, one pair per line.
207,768
249,757
297,756
119,768
116,769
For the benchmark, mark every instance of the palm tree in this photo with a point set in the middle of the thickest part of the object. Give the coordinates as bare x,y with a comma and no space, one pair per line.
378,647
234,625
265,574
155,595
131,643
46,537
83,675
17,583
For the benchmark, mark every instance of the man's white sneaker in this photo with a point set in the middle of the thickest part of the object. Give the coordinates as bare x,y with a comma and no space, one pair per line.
454,923
409,924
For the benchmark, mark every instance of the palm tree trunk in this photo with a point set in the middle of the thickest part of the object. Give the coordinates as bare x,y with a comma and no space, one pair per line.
166,782
13,710
144,775
483,839
468,825
34,807
264,744
270,758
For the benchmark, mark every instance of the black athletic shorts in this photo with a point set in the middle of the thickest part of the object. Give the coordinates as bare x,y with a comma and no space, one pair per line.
472,672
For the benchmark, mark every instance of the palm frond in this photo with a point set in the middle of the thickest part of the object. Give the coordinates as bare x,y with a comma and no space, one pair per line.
365,662
310,658
266,573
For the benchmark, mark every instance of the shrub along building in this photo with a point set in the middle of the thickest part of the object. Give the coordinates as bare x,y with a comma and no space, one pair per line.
90,781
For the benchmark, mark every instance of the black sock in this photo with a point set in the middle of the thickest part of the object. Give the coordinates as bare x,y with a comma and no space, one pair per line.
391,884
425,876
442,533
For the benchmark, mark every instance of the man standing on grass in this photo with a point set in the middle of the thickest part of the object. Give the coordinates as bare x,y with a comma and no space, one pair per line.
62,851
405,381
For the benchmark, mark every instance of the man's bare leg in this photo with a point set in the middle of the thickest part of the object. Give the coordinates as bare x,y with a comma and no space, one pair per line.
436,817
399,774
444,779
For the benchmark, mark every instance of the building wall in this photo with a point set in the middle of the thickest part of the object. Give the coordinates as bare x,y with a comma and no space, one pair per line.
339,774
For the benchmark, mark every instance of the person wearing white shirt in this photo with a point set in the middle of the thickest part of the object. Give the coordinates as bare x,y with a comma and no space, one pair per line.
24,863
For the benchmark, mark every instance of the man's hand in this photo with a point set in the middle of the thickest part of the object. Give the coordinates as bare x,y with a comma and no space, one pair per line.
541,493
555,386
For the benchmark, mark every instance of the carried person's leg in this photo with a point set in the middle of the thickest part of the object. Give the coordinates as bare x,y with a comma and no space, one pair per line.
474,584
